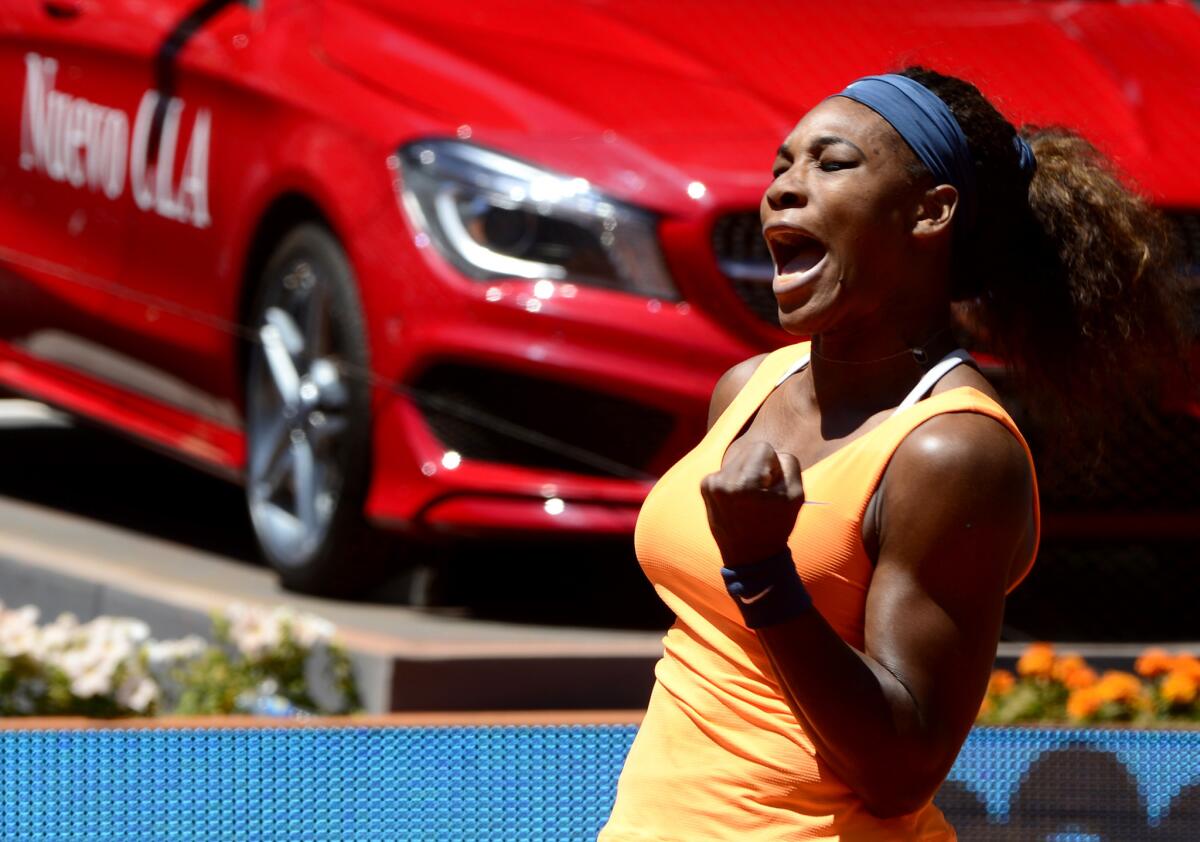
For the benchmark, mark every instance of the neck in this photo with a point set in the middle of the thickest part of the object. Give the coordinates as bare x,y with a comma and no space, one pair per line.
867,376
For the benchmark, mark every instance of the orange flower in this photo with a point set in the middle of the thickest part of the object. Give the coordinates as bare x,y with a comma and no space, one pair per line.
1080,678
1000,683
1083,703
1117,686
1037,661
1179,688
1153,663
1188,664
1065,666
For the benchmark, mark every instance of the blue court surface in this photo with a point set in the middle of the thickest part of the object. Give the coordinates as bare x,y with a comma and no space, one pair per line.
527,782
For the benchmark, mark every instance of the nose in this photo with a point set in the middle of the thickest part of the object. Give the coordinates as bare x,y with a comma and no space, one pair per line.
786,191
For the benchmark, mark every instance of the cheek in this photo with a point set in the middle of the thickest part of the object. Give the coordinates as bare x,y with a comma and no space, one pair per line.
867,227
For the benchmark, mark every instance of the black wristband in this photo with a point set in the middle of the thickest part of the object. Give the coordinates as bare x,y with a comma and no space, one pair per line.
767,592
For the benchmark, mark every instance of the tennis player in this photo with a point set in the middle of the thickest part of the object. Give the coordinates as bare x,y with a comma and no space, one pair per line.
839,546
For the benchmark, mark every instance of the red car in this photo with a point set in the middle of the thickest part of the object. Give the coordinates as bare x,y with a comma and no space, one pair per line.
468,268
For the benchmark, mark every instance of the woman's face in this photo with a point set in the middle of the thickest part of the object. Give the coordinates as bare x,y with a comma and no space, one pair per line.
838,219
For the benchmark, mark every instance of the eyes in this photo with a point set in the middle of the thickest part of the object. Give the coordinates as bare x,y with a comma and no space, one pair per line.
825,163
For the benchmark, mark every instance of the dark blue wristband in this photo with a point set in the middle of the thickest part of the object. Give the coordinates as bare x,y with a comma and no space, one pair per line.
767,592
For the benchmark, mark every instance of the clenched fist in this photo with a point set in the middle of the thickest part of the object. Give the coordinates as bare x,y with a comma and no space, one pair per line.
753,502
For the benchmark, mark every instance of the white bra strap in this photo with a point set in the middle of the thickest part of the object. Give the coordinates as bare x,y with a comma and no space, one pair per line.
919,391
793,368
932,376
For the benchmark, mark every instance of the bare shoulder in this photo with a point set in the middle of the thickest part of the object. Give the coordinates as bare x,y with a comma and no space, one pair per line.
967,445
730,384
957,474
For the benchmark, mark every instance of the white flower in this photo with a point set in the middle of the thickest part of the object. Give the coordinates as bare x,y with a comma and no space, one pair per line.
115,649
19,632
235,611
95,657
15,622
161,652
258,641
98,627
309,630
17,642
66,620
137,692
26,615
120,632
73,662
96,681
254,629
132,631
58,635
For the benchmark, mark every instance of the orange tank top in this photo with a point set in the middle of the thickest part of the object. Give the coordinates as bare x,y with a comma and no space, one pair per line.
719,756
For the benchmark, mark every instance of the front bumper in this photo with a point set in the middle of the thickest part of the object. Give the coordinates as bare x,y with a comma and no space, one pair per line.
526,408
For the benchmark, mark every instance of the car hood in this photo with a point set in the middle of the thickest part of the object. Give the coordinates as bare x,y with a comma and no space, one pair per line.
645,97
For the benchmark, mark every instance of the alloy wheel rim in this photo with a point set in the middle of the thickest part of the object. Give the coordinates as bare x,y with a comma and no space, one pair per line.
296,419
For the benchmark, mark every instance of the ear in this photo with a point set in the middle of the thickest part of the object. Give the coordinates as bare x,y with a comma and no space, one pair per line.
935,210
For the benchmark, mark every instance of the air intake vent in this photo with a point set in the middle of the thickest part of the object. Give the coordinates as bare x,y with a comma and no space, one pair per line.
742,254
500,416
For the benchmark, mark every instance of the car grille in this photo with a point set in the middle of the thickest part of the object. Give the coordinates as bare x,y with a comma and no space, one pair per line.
499,416
743,257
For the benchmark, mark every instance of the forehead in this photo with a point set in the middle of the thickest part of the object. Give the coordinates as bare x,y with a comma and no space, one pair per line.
845,118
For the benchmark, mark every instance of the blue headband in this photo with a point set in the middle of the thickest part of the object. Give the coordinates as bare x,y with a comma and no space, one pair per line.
928,126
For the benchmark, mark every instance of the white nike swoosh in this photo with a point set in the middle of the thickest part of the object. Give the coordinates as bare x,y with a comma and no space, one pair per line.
750,600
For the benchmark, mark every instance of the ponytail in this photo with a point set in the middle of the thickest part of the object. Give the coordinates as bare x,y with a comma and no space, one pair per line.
1069,276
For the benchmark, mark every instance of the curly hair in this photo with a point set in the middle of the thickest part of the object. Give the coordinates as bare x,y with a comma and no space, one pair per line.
1070,277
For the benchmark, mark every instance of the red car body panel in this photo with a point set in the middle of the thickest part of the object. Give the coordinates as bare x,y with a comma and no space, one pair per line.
134,316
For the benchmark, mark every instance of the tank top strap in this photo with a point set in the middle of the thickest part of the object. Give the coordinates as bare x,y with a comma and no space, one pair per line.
773,370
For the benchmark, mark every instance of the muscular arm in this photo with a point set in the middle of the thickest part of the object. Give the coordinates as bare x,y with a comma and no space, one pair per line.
890,720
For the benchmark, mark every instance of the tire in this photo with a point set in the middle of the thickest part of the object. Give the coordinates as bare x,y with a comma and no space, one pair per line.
308,421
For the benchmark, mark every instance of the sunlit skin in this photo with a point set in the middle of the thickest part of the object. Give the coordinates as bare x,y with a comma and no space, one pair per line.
950,522
843,176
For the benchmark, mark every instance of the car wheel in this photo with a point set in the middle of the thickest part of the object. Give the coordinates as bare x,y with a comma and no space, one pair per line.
308,424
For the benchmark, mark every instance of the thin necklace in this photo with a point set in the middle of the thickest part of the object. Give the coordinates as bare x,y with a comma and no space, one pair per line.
919,354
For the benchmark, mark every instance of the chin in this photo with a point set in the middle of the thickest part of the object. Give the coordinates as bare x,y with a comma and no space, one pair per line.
798,323
804,318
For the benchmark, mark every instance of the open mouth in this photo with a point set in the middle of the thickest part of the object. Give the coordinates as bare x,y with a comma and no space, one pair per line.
794,252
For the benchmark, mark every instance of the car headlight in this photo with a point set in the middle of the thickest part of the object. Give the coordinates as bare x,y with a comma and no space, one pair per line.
493,217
